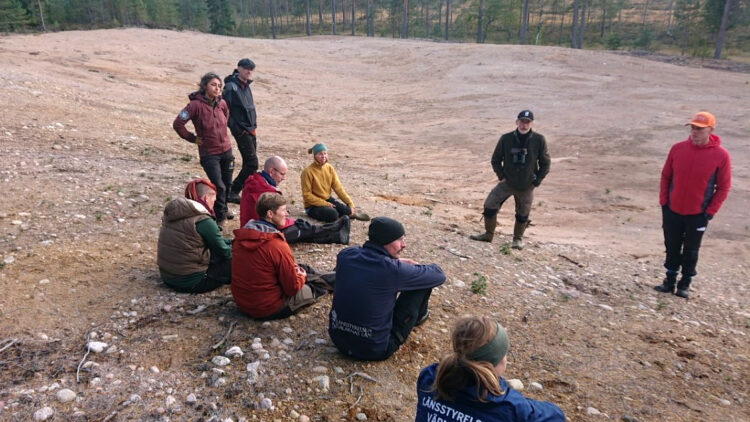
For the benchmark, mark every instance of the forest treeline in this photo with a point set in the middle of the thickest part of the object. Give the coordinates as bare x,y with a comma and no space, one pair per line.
690,27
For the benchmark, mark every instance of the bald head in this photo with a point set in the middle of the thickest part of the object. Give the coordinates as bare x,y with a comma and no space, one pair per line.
276,168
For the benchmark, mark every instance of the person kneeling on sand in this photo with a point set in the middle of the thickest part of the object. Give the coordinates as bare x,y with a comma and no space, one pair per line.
274,172
467,384
318,180
379,297
192,255
266,282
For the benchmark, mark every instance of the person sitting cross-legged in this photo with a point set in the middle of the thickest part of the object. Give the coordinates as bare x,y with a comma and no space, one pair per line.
192,255
266,282
274,172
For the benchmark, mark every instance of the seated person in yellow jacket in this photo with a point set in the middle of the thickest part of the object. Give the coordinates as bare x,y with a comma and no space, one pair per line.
319,179
192,255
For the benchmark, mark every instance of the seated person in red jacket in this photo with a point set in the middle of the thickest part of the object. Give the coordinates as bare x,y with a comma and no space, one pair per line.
274,172
192,255
266,282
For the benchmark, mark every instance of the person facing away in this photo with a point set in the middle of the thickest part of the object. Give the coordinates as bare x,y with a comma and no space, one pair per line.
208,112
274,172
318,180
695,181
191,254
242,122
266,282
521,162
379,297
467,383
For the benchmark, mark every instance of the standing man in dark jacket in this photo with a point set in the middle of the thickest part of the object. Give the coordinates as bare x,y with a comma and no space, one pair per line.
521,162
242,122
379,297
695,182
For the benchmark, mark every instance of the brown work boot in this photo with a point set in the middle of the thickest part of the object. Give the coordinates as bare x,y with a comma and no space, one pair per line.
490,223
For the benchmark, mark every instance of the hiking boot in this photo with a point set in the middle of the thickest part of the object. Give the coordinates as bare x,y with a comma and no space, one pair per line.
344,231
517,244
490,223
361,216
230,215
233,197
423,319
667,285
683,286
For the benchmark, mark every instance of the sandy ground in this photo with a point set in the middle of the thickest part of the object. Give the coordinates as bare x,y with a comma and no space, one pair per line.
89,159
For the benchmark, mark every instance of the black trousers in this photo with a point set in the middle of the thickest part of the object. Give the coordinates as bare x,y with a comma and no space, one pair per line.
219,169
682,238
410,307
329,214
248,146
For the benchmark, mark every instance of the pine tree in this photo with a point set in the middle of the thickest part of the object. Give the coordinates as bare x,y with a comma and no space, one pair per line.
13,16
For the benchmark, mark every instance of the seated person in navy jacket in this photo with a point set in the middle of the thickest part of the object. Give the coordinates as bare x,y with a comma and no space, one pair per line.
468,383
379,297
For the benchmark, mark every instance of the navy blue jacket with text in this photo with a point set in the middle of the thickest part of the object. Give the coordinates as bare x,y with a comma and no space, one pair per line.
367,281
512,406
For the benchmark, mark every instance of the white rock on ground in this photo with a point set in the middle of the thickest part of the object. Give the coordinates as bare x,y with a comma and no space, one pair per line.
191,399
304,418
220,361
592,411
536,386
323,381
43,414
234,351
515,384
96,346
65,395
320,369
361,417
266,404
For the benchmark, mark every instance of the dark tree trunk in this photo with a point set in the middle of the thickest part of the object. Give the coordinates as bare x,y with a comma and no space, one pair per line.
320,15
447,18
353,8
404,20
722,30
333,17
273,18
524,21
479,22
574,25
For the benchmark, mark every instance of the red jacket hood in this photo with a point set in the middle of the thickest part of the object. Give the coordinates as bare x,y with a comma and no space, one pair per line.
255,234
713,141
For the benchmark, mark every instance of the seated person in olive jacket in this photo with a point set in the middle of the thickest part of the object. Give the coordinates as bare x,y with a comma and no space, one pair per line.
192,255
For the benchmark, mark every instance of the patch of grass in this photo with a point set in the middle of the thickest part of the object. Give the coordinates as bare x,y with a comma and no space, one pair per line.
427,212
479,284
98,215
505,248
108,188
661,305
168,198
2,265
607,191
564,297
186,158
146,151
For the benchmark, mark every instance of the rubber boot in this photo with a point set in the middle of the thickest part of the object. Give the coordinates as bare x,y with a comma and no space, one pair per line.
667,286
518,231
683,286
490,223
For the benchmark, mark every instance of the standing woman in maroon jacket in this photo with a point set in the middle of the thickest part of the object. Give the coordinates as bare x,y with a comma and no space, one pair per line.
209,114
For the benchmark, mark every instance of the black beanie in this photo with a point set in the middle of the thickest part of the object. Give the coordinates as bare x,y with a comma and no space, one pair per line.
384,230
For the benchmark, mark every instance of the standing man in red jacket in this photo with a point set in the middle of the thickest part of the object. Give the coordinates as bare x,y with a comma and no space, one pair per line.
695,182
